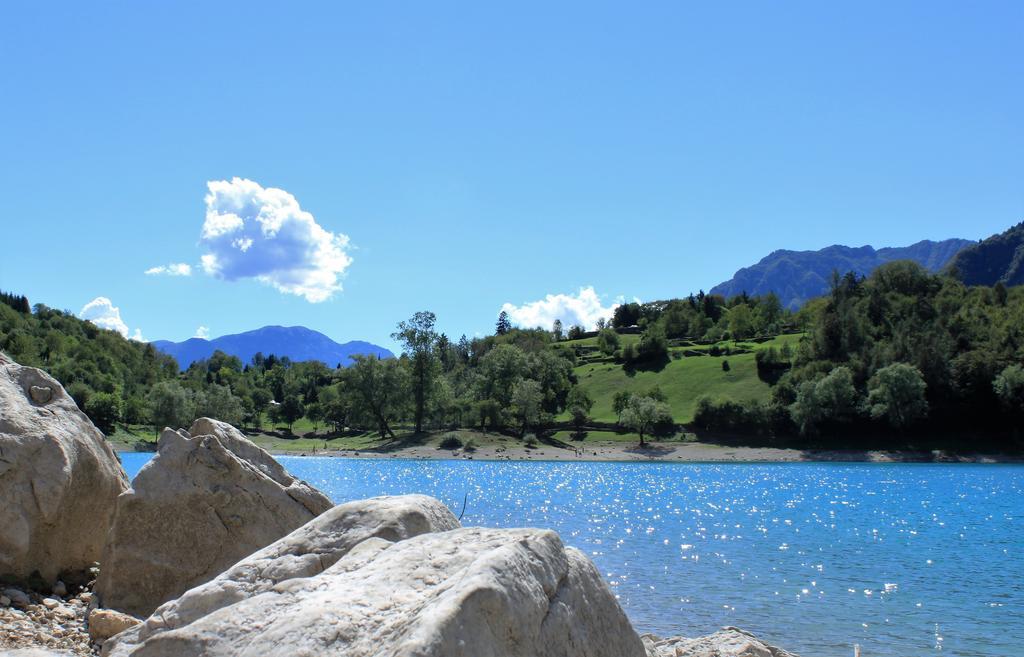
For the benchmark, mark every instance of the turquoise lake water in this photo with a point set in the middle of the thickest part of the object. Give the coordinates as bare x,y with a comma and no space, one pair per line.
904,559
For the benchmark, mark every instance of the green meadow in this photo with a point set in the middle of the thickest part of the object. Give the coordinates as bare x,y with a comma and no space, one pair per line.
685,378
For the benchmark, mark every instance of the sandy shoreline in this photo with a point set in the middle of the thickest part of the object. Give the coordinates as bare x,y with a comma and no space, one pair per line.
666,452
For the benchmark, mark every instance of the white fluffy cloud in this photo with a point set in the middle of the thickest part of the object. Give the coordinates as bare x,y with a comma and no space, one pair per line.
104,314
583,309
202,332
173,269
262,233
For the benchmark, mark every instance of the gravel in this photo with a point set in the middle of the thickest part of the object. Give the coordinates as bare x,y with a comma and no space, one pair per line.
31,620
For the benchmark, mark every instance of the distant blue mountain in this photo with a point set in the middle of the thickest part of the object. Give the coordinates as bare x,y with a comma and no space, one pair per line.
796,276
296,342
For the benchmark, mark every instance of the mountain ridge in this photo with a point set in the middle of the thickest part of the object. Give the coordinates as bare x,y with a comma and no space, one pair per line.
995,259
796,276
296,342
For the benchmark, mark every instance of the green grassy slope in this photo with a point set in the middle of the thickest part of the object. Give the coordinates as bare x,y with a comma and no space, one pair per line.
683,379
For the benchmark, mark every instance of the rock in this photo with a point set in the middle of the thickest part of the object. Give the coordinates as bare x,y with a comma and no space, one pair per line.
59,478
17,598
5,601
306,552
51,603
202,503
105,623
36,652
40,394
60,589
466,592
727,642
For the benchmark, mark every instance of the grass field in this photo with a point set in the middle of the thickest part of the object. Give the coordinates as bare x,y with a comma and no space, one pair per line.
683,380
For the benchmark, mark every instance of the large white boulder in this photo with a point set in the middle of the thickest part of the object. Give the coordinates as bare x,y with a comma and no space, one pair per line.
207,499
307,551
462,593
59,478
727,642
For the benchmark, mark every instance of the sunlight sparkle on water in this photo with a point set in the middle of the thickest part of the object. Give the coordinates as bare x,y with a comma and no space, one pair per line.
891,536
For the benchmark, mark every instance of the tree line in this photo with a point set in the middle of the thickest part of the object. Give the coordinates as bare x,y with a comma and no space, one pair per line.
901,352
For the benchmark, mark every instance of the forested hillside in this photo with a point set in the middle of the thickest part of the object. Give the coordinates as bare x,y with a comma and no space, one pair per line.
996,260
902,357
901,352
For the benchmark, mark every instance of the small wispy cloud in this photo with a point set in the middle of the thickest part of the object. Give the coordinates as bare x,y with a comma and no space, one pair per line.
173,269
202,332
583,309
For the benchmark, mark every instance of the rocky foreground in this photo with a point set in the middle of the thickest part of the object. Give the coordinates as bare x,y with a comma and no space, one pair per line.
216,550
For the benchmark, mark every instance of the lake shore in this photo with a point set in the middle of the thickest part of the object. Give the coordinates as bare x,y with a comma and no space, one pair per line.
492,446
666,452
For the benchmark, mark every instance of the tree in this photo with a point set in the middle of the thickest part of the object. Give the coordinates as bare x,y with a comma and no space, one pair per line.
218,402
576,332
653,345
830,398
489,411
499,371
607,341
104,409
579,403
626,314
556,330
419,338
260,398
291,410
335,406
897,394
1009,388
379,390
315,413
642,414
526,400
741,321
619,403
503,325
134,410
170,405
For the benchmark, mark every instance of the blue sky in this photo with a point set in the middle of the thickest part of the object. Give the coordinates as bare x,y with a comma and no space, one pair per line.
475,154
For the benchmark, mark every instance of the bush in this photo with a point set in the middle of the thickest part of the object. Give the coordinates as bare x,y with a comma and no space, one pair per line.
608,341
450,441
531,441
729,415
725,366
470,446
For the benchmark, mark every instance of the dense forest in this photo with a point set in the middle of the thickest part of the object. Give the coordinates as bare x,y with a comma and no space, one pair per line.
900,352
896,358
997,259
